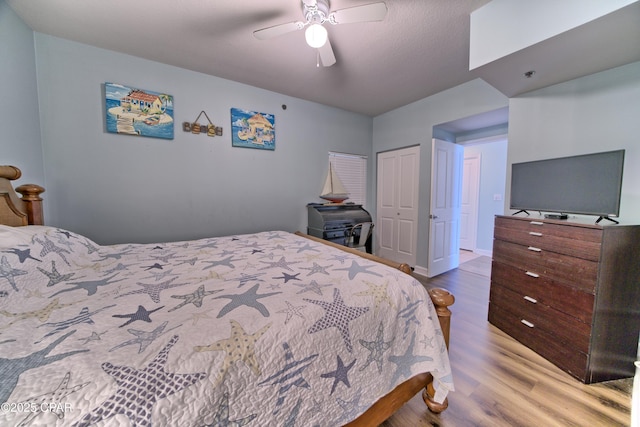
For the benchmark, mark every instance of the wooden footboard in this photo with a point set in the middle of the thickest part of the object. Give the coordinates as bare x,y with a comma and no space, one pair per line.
405,268
385,407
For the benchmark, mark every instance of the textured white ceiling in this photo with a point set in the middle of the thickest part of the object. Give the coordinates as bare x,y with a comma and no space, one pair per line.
420,48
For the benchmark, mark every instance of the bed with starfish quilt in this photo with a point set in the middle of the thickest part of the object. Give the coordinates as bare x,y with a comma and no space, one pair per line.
258,329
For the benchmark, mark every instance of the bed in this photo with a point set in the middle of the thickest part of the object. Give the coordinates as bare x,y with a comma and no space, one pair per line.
270,328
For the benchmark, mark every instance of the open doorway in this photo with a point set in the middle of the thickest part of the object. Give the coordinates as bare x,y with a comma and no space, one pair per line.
484,138
488,183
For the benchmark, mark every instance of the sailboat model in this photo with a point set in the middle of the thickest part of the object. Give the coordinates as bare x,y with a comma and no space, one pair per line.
333,189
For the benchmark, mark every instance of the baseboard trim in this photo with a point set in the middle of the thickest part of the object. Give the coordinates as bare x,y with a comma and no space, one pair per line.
484,252
421,270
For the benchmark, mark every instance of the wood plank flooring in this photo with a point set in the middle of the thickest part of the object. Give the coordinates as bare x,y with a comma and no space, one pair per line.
500,382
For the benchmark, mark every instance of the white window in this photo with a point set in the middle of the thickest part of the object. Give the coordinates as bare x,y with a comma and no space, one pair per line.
352,171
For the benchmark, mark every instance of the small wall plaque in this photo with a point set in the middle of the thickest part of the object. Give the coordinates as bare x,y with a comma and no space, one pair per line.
196,128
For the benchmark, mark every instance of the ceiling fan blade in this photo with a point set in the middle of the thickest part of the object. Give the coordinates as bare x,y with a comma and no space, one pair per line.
327,56
277,30
364,13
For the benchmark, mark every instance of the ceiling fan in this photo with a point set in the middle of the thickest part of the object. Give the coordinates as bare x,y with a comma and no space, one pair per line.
316,13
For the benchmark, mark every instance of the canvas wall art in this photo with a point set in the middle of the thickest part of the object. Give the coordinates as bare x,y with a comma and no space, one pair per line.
139,112
253,130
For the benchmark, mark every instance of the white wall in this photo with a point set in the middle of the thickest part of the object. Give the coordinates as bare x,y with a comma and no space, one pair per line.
413,125
120,188
494,33
19,120
600,112
594,113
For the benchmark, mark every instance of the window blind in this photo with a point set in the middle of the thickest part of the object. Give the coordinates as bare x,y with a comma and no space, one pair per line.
352,171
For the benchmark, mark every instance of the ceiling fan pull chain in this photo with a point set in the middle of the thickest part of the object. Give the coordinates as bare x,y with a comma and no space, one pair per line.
317,58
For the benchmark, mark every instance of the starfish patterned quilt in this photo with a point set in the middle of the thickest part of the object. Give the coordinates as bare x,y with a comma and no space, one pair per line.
265,329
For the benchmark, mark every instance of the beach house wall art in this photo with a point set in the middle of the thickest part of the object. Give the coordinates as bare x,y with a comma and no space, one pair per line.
251,129
138,112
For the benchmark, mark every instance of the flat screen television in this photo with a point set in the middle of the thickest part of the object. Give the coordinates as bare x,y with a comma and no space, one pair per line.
588,184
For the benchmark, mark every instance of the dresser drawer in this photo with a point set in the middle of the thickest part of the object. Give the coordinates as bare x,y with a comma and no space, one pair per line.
575,272
583,243
567,230
534,314
563,298
560,354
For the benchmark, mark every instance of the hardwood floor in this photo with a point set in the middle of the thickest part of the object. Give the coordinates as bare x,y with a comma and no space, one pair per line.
500,382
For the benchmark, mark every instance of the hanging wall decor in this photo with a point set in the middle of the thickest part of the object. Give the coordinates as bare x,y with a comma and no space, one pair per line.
195,127
138,112
253,130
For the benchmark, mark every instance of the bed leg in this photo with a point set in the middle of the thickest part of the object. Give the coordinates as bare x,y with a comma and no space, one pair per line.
427,395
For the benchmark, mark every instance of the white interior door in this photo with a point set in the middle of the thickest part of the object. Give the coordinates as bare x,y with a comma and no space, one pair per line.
396,227
444,219
469,201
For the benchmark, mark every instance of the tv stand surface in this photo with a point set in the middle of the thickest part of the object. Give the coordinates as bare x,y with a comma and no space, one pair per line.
557,216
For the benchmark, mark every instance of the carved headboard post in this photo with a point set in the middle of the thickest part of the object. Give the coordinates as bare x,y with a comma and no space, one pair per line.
14,210
33,202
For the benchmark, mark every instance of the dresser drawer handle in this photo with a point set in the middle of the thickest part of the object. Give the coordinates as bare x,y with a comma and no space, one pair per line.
527,323
532,274
535,233
536,223
534,249
528,298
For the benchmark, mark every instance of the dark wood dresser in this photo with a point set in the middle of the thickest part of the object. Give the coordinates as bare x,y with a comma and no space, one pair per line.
570,291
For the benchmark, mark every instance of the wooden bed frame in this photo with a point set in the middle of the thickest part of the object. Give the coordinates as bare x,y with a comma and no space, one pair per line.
27,210
385,407
17,211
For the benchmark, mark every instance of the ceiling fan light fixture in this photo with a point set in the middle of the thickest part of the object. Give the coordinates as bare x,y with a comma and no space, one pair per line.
316,35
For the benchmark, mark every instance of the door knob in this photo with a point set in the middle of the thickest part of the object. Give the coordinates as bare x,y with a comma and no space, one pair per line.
432,216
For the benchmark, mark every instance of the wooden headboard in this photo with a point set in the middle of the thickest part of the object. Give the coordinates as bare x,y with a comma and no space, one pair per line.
14,210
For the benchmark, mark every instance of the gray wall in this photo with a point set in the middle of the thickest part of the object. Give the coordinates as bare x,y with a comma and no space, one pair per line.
413,124
116,188
600,112
594,113
19,121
